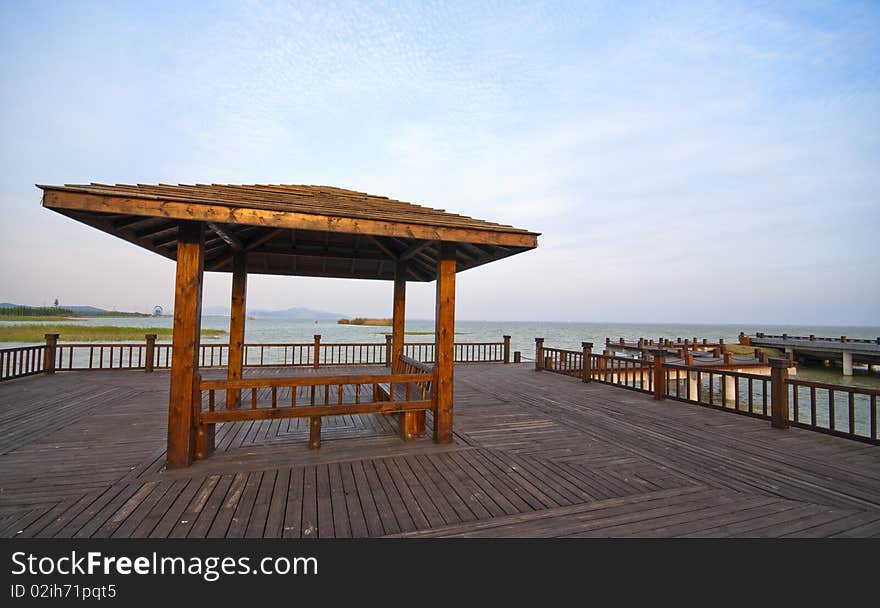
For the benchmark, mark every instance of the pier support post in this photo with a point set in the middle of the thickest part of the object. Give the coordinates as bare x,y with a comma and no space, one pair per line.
539,354
182,402
444,343
587,361
150,355
507,349
237,316
730,391
779,393
49,353
847,363
692,385
659,374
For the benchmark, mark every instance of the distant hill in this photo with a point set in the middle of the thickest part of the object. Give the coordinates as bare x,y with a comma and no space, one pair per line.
306,314
296,313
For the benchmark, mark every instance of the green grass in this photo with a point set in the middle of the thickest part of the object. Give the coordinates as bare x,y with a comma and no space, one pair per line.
32,319
34,332
743,349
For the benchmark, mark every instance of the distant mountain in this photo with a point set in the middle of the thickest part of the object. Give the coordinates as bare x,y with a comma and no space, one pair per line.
297,313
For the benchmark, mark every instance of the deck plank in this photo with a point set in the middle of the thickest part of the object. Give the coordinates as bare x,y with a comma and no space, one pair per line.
535,454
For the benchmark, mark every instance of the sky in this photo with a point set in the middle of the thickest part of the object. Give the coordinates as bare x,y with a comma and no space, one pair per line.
694,162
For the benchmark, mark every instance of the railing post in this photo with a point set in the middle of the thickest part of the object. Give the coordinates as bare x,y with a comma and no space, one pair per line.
539,354
659,374
587,364
779,393
517,357
150,355
507,349
49,354
388,357
316,362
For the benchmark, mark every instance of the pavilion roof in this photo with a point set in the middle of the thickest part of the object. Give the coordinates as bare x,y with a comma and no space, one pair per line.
290,229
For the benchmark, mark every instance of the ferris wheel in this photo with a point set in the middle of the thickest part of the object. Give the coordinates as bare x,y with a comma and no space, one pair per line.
157,311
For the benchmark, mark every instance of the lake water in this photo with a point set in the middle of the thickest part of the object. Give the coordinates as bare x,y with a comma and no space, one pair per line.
523,334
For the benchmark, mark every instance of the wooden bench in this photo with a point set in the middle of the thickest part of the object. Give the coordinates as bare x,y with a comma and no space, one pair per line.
412,424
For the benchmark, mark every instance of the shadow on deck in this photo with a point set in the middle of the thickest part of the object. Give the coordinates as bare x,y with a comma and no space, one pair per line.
535,454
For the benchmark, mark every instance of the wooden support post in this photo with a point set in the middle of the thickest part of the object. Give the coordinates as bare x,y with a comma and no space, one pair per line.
389,359
49,354
150,355
410,424
316,361
314,432
588,361
517,356
444,343
398,320
659,374
539,354
182,405
507,349
237,318
779,393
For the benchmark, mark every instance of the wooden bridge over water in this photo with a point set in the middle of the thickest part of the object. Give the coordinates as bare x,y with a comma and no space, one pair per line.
534,454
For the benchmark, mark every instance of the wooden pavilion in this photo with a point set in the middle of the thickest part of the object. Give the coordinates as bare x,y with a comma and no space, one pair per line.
294,230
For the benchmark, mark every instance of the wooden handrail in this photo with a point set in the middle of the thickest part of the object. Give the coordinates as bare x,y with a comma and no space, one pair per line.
313,381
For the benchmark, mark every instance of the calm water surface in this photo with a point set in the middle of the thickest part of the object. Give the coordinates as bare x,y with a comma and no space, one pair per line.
523,334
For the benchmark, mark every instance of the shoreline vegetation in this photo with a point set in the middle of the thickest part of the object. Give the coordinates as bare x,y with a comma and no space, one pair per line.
365,321
57,313
35,332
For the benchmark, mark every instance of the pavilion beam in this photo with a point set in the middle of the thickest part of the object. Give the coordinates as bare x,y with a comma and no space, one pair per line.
444,343
414,250
237,318
411,424
382,247
258,242
185,438
227,236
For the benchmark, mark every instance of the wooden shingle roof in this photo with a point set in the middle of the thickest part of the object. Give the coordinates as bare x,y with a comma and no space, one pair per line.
290,229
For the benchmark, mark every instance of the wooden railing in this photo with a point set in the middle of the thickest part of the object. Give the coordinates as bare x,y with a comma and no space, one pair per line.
22,361
813,338
844,411
149,355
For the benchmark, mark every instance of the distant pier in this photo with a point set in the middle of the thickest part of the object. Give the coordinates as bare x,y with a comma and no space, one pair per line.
849,351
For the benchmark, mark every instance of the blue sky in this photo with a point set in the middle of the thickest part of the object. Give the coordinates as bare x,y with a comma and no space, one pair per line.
690,162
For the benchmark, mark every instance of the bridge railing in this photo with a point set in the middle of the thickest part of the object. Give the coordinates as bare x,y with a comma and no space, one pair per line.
813,338
840,410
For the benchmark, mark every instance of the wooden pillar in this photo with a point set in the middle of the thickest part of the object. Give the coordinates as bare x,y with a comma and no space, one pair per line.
444,343
588,363
150,355
507,349
779,393
398,320
182,407
539,354
316,361
517,356
659,374
388,350
237,316
49,354
410,424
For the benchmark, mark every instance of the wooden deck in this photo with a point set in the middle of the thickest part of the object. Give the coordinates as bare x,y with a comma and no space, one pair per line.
535,454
